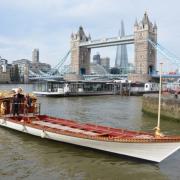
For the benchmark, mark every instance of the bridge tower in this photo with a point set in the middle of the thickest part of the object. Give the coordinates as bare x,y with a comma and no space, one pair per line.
145,54
80,56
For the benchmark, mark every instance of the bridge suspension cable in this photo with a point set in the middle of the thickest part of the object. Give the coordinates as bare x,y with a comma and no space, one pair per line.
54,73
169,55
31,73
61,62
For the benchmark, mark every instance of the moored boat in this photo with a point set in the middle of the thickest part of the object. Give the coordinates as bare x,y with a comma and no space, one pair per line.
143,145
53,88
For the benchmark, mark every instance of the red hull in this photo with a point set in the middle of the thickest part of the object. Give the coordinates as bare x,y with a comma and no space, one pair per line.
90,131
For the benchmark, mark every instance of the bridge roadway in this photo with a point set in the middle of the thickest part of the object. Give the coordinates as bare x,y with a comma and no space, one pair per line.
45,77
87,77
108,42
166,75
126,75
111,76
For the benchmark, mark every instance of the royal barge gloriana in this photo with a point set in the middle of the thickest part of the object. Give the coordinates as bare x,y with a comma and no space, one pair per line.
142,145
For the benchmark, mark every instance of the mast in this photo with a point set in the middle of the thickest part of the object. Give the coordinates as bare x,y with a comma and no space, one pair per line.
157,128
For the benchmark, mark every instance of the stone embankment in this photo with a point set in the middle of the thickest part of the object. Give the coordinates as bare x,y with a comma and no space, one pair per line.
170,106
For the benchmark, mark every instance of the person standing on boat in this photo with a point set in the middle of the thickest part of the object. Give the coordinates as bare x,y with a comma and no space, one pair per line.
17,101
15,105
27,103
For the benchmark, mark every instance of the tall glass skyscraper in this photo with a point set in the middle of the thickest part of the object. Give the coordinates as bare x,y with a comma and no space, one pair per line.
121,61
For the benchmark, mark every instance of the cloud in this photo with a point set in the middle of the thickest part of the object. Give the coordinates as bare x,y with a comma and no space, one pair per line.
47,24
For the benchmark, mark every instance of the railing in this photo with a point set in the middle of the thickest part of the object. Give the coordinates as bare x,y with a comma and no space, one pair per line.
17,109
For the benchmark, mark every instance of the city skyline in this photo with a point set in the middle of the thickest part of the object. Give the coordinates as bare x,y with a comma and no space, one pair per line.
47,25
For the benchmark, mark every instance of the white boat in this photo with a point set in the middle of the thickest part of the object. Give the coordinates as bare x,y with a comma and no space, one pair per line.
130,143
142,145
79,88
51,88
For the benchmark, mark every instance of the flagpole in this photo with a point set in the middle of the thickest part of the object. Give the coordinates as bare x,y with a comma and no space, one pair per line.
157,129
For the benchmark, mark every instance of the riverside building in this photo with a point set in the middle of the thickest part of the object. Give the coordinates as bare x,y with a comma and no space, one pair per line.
35,66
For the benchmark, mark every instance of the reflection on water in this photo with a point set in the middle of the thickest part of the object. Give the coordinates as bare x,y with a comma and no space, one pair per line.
27,157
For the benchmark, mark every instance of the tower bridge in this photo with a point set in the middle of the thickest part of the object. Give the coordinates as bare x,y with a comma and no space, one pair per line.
144,53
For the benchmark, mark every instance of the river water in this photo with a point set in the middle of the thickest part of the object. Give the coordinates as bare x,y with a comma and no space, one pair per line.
27,157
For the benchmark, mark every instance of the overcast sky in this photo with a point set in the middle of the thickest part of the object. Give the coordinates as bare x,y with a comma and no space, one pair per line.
48,24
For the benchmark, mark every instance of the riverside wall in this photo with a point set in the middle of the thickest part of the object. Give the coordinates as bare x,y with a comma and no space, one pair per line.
170,106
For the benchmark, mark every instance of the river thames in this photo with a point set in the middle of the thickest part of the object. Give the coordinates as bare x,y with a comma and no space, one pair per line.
27,157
